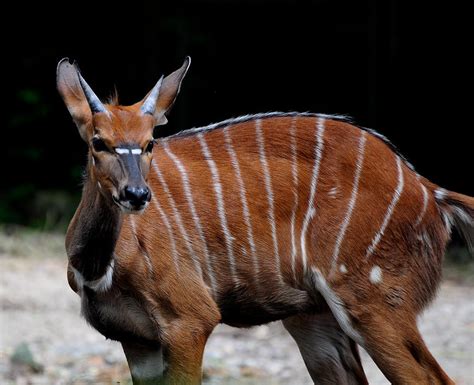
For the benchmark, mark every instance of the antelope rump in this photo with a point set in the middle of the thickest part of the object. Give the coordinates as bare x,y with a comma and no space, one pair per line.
298,217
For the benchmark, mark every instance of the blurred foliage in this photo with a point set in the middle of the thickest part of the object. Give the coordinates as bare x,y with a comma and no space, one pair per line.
40,209
25,242
29,199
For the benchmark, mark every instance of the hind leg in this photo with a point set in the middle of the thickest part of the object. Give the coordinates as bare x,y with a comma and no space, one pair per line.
331,357
386,329
396,346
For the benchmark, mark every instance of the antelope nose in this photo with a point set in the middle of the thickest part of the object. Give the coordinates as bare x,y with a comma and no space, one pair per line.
137,196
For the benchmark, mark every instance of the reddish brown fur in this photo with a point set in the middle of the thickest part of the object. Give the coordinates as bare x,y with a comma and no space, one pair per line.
176,309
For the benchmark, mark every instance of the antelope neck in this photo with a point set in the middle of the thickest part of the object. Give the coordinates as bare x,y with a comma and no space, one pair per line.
93,233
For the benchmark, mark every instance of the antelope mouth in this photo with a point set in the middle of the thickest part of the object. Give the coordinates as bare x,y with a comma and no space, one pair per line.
129,208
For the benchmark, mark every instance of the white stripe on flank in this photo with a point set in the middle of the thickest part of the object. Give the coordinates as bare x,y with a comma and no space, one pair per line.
352,201
169,229
140,248
425,204
396,196
243,198
268,188
220,205
294,173
197,223
318,149
178,218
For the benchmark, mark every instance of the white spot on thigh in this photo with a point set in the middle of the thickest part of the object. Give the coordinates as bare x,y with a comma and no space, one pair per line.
343,269
375,276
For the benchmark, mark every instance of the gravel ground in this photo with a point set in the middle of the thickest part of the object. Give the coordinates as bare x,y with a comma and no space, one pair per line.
39,309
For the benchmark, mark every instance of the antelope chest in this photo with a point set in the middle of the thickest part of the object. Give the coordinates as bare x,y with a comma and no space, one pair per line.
118,316
114,313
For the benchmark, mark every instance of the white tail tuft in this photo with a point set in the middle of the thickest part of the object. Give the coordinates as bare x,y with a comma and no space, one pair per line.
457,210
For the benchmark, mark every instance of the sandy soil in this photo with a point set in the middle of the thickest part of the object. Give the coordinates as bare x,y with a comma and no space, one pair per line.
38,308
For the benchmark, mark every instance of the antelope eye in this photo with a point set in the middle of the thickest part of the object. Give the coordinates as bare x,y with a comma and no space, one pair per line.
99,145
149,146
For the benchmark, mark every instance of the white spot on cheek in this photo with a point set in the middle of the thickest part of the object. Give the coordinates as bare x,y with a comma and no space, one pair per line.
375,275
343,269
136,151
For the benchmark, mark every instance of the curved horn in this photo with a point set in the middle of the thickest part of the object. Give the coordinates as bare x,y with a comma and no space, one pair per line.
149,105
94,102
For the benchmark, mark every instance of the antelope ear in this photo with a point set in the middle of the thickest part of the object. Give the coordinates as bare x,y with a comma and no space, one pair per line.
79,98
161,98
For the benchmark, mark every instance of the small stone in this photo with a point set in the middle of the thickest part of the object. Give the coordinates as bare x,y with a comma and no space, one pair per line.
23,356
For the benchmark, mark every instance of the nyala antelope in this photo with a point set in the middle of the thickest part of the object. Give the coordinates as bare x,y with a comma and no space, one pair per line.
297,217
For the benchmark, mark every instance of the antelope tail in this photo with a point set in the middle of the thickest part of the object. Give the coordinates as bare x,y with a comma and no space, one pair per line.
458,210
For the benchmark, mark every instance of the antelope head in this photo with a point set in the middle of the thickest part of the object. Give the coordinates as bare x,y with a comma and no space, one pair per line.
120,138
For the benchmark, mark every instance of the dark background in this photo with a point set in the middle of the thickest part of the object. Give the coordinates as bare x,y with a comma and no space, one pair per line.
402,68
